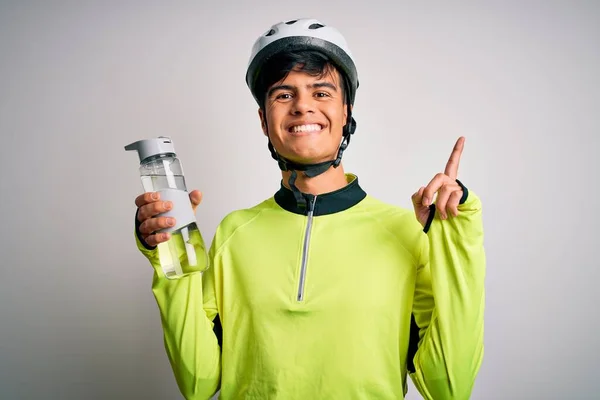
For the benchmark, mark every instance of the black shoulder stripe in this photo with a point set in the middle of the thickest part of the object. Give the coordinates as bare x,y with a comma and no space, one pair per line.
465,192
139,234
429,218
413,344
218,330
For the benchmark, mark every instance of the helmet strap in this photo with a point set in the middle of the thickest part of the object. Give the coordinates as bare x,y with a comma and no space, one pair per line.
312,170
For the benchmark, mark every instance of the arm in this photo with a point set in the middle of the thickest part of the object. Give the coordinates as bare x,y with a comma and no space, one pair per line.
449,304
187,309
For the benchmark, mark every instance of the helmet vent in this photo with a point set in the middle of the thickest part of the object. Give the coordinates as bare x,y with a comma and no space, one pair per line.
292,22
271,32
315,26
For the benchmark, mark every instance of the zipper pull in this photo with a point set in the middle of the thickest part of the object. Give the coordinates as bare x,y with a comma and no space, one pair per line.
312,199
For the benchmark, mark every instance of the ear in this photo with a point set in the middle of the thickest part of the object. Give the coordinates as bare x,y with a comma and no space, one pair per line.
346,111
263,121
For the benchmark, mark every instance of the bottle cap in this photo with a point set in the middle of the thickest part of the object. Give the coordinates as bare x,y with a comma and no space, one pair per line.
151,147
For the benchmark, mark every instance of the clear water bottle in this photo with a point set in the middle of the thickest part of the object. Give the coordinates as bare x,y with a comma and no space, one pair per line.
161,171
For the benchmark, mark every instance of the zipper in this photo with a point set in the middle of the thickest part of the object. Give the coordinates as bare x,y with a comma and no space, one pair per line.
311,209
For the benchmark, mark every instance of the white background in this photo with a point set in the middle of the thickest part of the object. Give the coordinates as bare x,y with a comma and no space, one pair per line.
80,80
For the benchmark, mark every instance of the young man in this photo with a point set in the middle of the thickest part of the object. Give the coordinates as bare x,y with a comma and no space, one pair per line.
322,291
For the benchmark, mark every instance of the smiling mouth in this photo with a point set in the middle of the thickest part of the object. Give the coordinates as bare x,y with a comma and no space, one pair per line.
309,128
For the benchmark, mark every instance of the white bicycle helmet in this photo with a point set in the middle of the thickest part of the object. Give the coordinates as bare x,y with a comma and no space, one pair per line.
302,34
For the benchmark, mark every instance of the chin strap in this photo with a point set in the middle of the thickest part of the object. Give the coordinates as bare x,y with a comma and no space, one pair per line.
312,170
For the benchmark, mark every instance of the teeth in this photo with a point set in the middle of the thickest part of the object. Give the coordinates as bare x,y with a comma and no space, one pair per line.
306,128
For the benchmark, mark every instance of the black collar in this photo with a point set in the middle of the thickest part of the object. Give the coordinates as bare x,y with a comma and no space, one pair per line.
326,203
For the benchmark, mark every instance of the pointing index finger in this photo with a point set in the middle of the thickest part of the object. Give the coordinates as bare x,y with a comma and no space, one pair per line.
454,161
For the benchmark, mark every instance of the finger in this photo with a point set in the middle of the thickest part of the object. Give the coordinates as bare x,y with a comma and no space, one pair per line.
195,198
146,198
454,160
152,209
442,198
154,240
152,225
452,206
434,185
417,198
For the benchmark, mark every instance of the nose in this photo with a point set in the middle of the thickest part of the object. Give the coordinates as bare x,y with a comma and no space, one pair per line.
302,104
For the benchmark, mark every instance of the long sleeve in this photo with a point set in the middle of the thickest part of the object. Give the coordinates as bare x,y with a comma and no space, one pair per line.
449,305
187,309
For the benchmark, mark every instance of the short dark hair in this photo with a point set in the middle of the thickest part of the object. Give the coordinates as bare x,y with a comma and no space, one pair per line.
279,66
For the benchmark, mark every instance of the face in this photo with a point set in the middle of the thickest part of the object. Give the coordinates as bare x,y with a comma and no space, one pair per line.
304,116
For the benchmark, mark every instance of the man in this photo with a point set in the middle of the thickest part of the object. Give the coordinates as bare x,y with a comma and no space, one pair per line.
322,291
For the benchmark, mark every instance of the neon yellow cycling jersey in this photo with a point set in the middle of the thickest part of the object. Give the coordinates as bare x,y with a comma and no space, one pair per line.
341,299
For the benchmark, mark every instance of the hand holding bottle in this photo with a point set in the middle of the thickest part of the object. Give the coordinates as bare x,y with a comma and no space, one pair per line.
150,206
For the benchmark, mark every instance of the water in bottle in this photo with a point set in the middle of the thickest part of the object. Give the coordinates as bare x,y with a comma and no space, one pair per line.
161,171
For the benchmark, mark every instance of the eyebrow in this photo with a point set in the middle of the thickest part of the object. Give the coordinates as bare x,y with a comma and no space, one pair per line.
290,87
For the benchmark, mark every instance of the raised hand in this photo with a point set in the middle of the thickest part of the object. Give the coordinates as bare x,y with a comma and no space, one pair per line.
149,206
448,191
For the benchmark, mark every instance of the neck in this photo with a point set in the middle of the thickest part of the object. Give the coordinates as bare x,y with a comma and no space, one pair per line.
329,181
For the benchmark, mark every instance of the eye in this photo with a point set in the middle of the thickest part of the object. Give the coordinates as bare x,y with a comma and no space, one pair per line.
284,96
322,94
